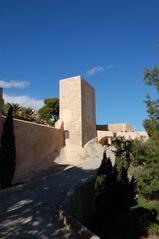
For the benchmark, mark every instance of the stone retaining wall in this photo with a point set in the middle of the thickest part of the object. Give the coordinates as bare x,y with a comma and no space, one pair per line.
76,210
37,146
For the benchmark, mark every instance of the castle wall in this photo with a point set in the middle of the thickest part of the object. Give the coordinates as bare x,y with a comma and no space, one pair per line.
36,147
77,110
120,128
103,135
134,135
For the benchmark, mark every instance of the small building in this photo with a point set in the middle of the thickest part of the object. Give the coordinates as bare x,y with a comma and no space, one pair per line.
106,132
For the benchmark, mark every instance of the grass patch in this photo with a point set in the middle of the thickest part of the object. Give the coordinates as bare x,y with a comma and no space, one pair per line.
153,206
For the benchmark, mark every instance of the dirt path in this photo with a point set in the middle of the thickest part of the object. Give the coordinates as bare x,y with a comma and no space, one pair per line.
32,212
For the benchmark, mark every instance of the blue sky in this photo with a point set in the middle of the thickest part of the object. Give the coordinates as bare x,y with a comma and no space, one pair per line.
109,43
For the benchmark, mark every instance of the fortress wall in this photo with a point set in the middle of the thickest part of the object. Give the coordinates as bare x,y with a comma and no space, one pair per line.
134,135
36,147
116,127
120,128
103,135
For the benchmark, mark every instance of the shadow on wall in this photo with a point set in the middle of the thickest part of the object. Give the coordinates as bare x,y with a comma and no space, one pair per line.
36,147
32,213
104,141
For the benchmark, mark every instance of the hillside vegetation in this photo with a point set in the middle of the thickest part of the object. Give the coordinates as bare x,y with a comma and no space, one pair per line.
126,196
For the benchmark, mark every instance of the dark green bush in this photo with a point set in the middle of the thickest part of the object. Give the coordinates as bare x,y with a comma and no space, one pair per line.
146,167
114,194
7,152
117,213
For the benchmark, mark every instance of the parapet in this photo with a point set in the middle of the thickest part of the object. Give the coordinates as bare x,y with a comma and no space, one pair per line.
121,127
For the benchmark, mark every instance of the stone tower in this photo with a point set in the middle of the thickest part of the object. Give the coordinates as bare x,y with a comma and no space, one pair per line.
77,110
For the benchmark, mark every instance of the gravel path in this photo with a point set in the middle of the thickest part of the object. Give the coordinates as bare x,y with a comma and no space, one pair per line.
33,211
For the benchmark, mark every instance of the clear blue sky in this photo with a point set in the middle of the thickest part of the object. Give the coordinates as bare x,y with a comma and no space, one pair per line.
109,43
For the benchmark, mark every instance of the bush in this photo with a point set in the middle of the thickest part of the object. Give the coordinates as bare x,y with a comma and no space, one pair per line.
114,194
146,167
49,113
118,211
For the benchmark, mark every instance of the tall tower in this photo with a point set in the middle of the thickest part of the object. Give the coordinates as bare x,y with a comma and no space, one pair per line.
77,110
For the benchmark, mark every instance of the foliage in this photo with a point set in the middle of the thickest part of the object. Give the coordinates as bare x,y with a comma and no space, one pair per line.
117,211
113,196
152,124
152,206
7,152
146,167
151,78
5,108
50,111
151,127
116,215
48,114
146,154
27,113
154,229
123,151
15,109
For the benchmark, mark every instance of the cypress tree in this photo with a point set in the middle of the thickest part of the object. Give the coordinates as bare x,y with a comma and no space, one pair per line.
114,195
7,152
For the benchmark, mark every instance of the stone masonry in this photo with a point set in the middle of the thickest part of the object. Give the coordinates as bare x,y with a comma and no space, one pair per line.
77,110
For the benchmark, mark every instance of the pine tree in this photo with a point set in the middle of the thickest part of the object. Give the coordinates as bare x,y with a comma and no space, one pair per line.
8,152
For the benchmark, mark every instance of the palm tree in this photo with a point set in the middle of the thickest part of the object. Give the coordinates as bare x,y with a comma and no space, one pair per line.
16,110
27,113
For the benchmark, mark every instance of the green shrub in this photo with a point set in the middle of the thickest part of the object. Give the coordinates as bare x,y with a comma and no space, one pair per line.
146,167
114,194
118,213
154,229
7,152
